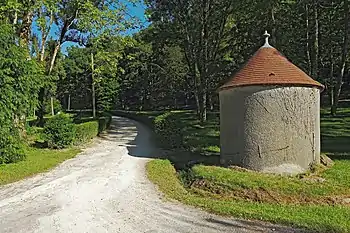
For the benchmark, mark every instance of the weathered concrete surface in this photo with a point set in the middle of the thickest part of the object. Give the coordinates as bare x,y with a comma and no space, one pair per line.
270,129
105,190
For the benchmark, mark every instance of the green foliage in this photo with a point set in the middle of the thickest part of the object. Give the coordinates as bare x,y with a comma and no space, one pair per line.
168,130
86,131
19,83
11,148
104,122
59,131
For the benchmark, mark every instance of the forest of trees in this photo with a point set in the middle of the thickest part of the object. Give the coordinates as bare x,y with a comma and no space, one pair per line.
191,47
177,62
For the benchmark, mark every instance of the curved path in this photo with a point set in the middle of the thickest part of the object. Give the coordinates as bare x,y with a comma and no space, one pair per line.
104,189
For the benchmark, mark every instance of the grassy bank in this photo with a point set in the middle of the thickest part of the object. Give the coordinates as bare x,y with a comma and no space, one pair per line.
319,201
37,161
319,218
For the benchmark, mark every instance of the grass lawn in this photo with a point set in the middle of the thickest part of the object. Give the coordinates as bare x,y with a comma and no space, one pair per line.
37,161
319,202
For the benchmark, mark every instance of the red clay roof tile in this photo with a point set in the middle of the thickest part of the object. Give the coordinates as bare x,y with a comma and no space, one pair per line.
270,67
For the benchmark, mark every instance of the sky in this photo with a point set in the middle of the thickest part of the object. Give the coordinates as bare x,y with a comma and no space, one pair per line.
136,11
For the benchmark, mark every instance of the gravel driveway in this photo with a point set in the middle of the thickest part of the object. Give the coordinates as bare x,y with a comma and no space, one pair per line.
104,189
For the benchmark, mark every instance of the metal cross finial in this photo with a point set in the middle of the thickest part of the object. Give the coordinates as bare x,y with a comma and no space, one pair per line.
267,36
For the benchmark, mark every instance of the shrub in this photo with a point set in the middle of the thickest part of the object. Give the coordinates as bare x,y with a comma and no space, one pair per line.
168,130
86,131
11,148
59,131
104,123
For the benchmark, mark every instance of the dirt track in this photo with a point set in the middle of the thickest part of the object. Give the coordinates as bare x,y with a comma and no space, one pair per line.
104,189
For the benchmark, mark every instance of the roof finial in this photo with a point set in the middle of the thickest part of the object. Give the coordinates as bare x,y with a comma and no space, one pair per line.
267,36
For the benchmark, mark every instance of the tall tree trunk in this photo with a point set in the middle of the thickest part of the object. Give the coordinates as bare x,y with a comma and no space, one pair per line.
52,108
45,32
15,18
42,94
273,27
210,102
203,63
26,28
54,55
41,108
69,102
203,106
339,83
93,87
315,56
331,85
308,38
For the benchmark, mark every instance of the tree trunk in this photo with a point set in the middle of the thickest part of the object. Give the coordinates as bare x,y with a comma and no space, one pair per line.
203,107
210,102
340,77
331,86
54,55
273,27
41,109
315,57
66,25
68,102
93,87
45,34
52,108
203,63
25,30
308,39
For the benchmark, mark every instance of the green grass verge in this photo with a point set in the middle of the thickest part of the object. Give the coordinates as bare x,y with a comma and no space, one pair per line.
315,217
37,161
336,183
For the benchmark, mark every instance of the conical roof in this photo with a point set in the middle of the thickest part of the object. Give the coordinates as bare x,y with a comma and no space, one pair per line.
270,67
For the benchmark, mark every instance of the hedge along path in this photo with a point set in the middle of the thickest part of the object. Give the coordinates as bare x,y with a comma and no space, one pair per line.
40,160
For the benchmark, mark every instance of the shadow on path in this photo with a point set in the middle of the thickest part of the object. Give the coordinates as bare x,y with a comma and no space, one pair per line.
141,142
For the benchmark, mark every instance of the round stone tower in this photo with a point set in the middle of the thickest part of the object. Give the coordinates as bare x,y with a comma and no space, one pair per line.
270,116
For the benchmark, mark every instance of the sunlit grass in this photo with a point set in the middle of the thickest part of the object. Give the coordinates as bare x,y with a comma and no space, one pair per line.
37,161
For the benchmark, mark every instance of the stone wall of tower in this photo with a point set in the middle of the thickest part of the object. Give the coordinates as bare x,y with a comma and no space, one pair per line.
270,128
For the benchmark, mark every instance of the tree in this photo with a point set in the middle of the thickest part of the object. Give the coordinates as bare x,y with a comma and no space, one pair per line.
344,55
20,80
201,26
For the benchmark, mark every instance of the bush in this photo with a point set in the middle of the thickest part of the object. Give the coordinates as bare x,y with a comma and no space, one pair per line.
168,130
86,131
59,131
104,123
11,148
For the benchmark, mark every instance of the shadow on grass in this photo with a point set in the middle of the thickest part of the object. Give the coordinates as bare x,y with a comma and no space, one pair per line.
335,134
39,144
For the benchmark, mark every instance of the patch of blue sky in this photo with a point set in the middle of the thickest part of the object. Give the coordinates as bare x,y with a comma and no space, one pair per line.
134,10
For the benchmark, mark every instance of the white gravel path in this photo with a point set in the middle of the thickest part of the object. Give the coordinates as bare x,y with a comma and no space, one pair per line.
104,189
